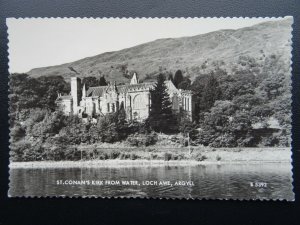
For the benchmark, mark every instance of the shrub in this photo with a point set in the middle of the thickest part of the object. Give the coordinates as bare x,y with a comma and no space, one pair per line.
72,153
133,156
174,157
123,156
24,151
270,141
38,152
181,156
102,155
139,140
56,153
218,158
93,153
17,151
114,154
17,132
153,156
199,157
167,156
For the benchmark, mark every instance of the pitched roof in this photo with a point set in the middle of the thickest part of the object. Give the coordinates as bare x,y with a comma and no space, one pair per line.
99,91
64,97
170,86
95,91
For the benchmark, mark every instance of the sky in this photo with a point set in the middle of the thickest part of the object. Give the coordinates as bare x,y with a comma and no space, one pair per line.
37,42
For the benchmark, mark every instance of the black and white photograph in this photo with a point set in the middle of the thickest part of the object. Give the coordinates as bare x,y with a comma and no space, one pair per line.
185,108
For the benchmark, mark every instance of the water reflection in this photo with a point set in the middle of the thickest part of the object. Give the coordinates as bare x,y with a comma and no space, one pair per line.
210,181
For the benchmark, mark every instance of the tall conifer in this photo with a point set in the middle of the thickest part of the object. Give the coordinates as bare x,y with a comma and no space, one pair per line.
102,81
178,78
161,117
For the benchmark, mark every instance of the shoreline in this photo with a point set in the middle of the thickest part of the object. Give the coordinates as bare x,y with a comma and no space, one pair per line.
115,163
225,157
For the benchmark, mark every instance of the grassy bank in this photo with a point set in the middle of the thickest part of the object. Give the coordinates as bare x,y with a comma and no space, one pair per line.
111,157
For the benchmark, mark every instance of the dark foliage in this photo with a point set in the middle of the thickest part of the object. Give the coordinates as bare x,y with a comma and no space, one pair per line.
248,106
185,84
178,78
161,117
102,81
140,140
93,81
170,77
27,92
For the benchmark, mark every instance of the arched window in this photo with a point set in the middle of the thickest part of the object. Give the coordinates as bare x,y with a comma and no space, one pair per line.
175,102
139,102
113,107
188,104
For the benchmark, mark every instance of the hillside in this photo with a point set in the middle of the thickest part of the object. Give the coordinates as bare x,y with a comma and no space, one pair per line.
190,54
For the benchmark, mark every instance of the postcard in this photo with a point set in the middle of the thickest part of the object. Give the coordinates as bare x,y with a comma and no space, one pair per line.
180,108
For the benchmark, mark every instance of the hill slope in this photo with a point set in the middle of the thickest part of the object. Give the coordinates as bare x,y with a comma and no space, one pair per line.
190,54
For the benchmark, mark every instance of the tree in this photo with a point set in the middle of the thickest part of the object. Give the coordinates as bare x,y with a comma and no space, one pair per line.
23,93
108,128
93,81
273,86
102,81
90,82
170,77
211,93
28,92
216,129
161,117
17,132
50,126
185,84
48,88
178,78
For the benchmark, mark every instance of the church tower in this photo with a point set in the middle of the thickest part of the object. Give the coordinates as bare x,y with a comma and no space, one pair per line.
134,79
75,93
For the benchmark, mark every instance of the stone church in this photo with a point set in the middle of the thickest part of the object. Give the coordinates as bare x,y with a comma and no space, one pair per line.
133,97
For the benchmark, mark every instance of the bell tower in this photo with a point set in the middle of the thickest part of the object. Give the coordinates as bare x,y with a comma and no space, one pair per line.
83,91
75,93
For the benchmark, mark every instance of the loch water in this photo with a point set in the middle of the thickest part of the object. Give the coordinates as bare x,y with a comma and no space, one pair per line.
228,181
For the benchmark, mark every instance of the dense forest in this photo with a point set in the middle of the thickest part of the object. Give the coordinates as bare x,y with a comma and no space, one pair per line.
246,106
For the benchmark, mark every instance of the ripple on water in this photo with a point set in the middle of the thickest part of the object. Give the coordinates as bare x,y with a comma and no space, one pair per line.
210,181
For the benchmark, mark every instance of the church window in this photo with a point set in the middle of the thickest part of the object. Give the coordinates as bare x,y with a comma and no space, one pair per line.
107,107
188,105
139,102
113,107
174,102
